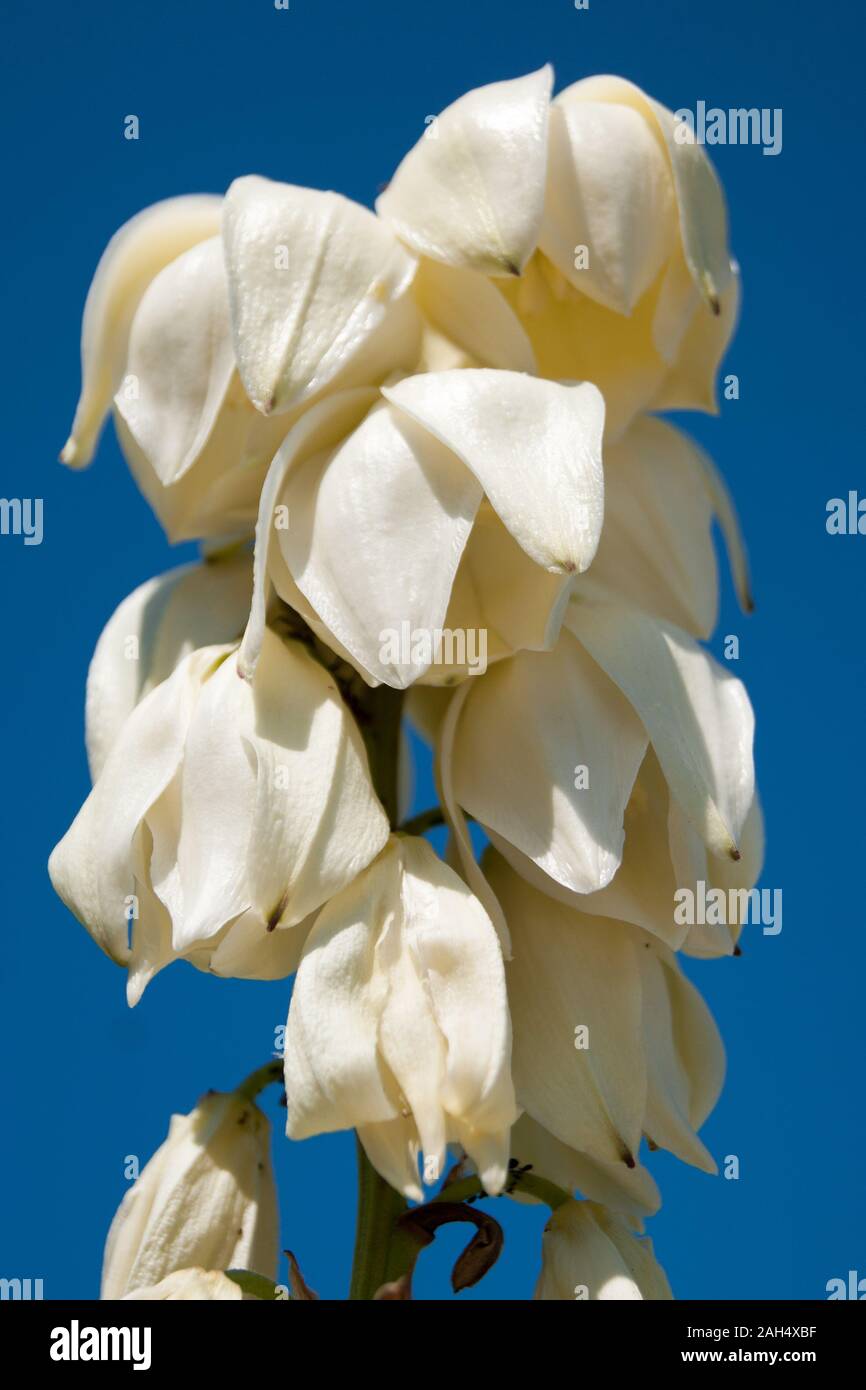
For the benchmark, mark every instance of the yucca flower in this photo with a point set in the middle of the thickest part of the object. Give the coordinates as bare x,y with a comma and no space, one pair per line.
398,431
206,1199
399,1026
588,1252
605,229
226,812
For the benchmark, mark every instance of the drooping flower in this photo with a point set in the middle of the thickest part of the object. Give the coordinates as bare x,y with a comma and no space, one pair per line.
152,630
206,1199
605,227
544,748
226,812
611,1041
399,1025
373,488
588,1252
134,256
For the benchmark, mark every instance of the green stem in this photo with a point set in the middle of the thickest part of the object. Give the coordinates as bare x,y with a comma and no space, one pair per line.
259,1079
382,1253
531,1183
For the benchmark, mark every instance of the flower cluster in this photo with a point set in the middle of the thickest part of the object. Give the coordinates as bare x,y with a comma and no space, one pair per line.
425,422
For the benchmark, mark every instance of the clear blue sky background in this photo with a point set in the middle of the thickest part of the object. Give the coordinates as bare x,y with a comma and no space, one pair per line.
331,94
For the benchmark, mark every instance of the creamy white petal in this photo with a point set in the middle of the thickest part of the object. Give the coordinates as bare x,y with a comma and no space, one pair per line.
135,254
377,528
631,1191
469,310
399,1009
697,714
702,214
501,602
471,192
642,889
278,811
218,795
690,381
685,1058
248,951
655,547
218,496
206,1198
535,447
93,867
610,192
311,277
572,971
456,952
180,359
151,631
333,1077
320,427
692,864
393,1148
317,821
589,1252
526,729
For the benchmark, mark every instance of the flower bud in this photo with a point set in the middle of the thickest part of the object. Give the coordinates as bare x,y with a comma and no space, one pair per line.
589,1253
206,1199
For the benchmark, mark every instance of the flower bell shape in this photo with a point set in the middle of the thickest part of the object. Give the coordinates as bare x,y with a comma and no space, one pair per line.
133,257
213,323
605,228
588,1252
225,813
399,1025
152,630
544,749
205,1201
196,445
369,485
611,1041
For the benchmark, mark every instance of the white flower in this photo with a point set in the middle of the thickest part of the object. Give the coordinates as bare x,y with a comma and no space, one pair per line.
206,1198
151,631
630,1191
189,1285
377,488
312,278
544,748
211,345
589,1252
226,812
611,1041
135,254
661,497
399,1025
615,227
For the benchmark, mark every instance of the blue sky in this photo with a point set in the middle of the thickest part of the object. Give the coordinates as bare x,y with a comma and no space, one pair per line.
331,93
